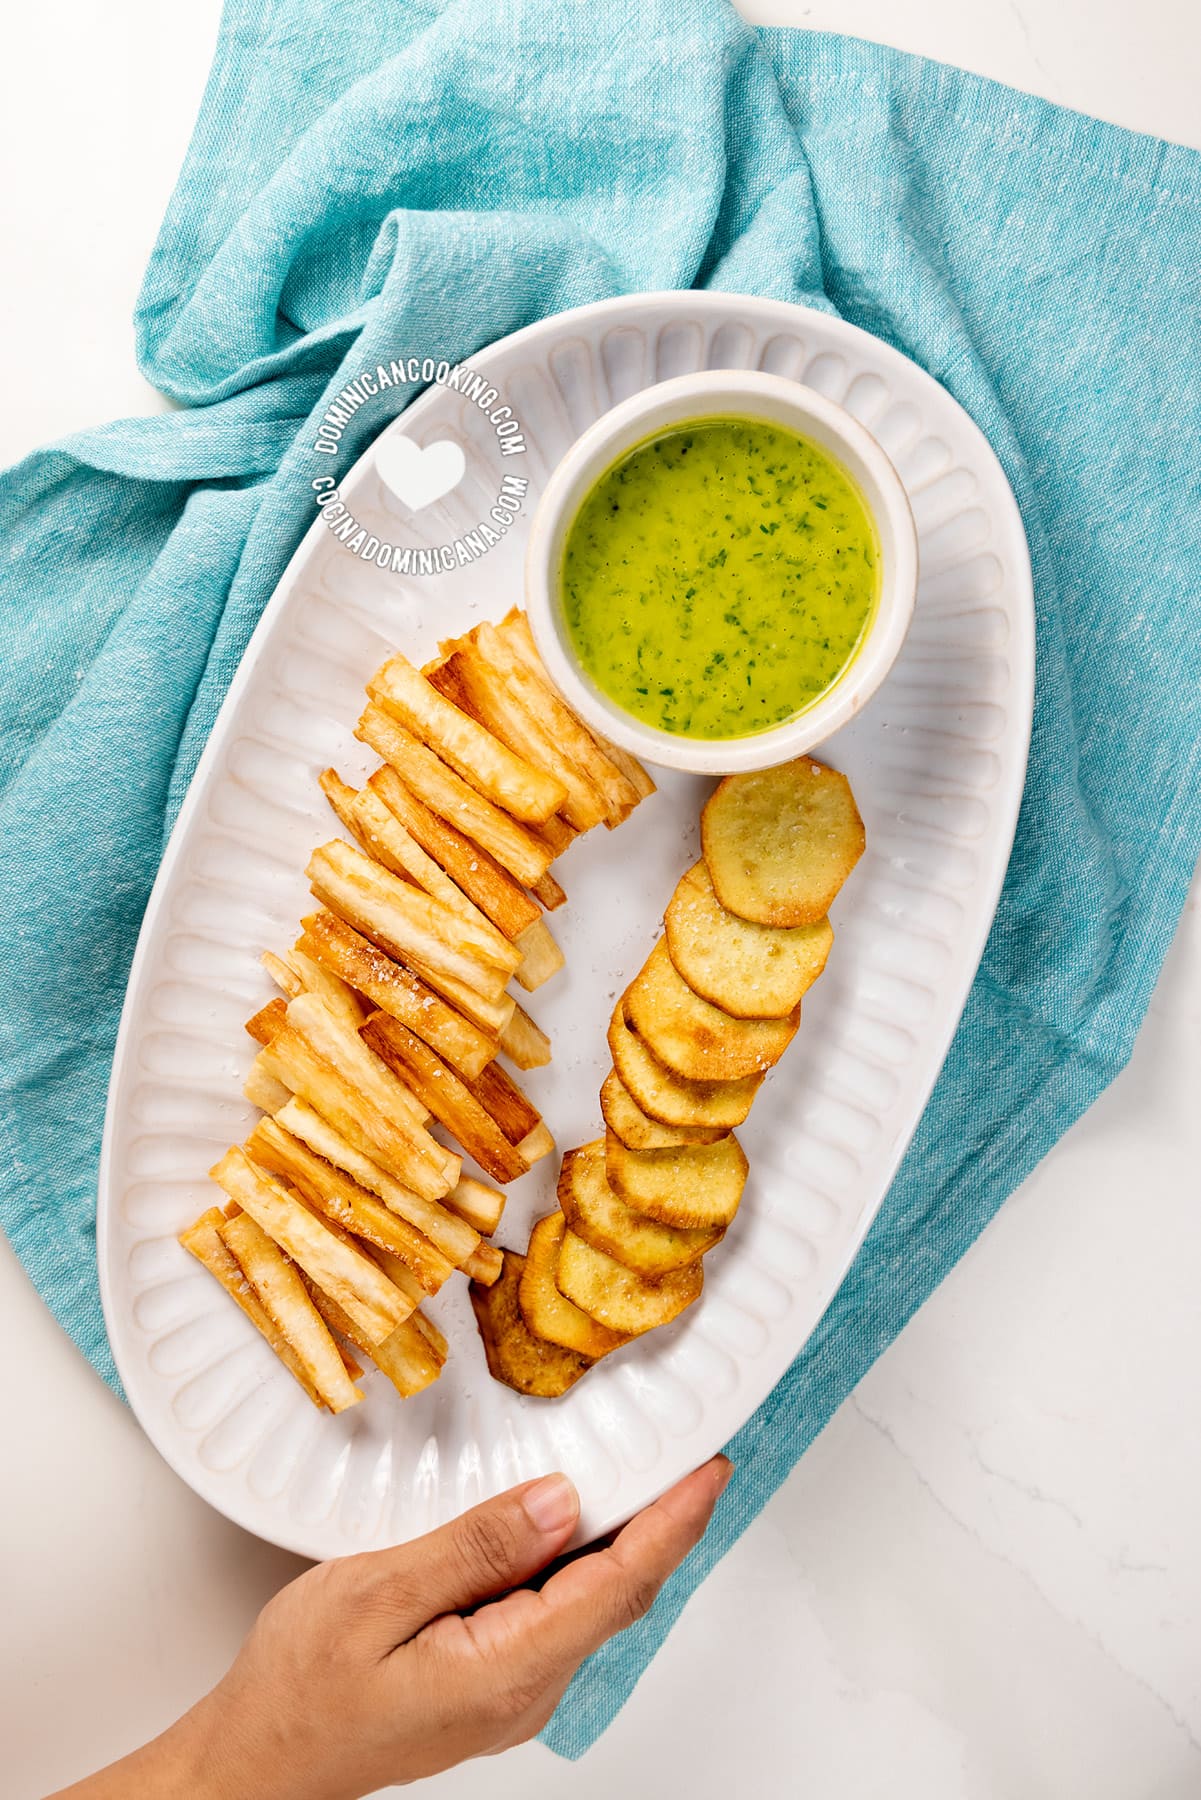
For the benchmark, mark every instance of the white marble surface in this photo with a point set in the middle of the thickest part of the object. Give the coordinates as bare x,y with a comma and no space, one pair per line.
984,1581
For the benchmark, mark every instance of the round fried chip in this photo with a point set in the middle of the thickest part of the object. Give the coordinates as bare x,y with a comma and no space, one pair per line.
604,1220
751,971
669,1098
545,1311
626,1119
692,1037
615,1296
515,1356
694,1187
779,843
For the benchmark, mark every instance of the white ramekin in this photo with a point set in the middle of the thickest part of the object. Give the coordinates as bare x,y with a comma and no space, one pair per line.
714,393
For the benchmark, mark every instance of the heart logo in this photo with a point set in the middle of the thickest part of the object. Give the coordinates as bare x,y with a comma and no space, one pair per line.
419,476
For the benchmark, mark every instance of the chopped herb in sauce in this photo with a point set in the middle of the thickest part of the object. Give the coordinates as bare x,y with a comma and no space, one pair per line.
731,587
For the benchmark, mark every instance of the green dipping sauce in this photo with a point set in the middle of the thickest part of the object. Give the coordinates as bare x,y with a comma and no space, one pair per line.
720,577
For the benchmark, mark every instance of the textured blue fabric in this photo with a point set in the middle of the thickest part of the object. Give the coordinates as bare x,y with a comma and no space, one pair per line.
428,178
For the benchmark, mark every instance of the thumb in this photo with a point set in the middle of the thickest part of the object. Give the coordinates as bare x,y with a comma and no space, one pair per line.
482,1553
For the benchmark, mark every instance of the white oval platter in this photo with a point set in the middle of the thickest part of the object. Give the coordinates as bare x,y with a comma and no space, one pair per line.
937,761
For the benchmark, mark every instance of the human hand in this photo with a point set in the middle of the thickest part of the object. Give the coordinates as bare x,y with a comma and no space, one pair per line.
394,1665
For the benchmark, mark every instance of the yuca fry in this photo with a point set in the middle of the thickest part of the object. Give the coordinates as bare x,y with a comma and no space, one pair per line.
557,835
693,1038
626,1120
516,1115
465,676
436,784
407,923
281,1293
398,1272
509,648
485,1265
536,1143
477,874
751,971
779,843
603,1219
267,1021
450,1233
281,974
234,1214
433,1337
204,1241
694,1187
395,989
546,1313
525,1044
480,1205
669,1098
615,1296
292,1060
548,891
329,987
502,776
341,1045
406,1357
385,840
541,957
341,1199
448,1098
263,1090
491,1016
516,1357
404,1279
632,769
338,1267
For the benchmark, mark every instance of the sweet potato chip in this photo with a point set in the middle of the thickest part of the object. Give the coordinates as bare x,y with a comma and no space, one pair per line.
615,1296
626,1119
669,1098
603,1219
543,1307
779,843
694,1187
751,971
693,1038
515,1356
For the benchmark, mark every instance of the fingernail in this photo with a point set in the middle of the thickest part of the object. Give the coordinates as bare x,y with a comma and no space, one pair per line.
725,1469
552,1504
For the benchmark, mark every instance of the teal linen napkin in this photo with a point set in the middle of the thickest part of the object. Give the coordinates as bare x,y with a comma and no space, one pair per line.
447,175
